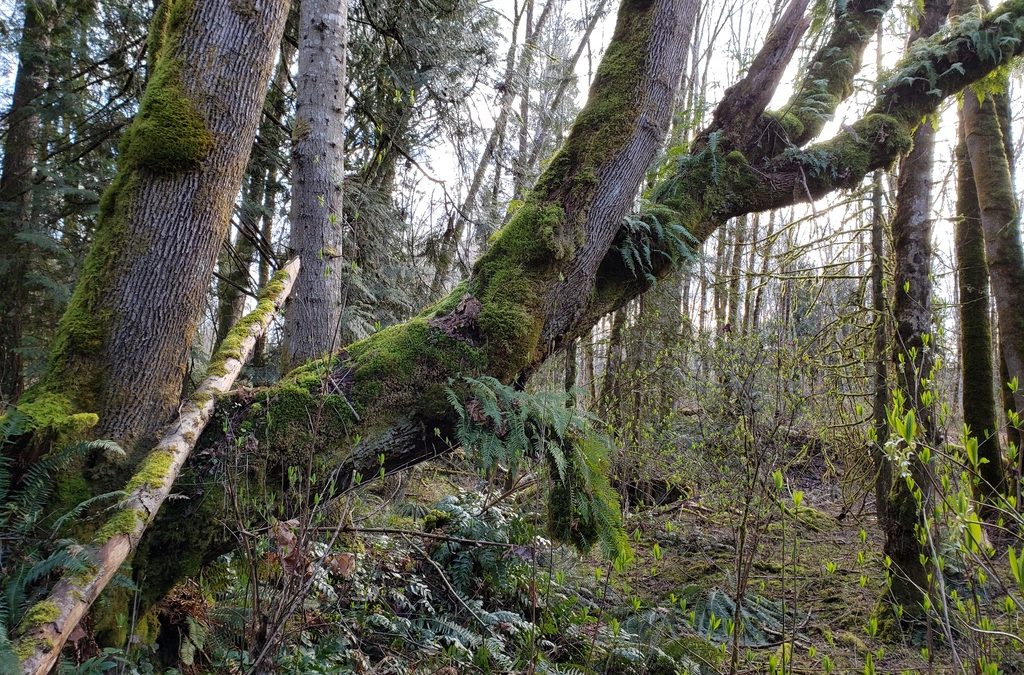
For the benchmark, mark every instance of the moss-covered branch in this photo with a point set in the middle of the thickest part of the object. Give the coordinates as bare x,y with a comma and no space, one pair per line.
707,189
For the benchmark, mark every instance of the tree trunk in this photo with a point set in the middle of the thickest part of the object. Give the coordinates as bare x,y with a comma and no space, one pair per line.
977,367
313,315
121,346
907,505
1001,225
16,180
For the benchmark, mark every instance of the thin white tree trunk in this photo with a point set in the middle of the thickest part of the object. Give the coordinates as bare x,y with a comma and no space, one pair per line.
58,615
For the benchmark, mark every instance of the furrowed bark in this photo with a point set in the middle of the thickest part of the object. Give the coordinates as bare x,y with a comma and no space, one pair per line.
977,365
313,316
121,346
73,595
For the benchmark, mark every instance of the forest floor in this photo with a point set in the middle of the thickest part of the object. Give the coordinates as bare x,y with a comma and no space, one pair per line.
814,574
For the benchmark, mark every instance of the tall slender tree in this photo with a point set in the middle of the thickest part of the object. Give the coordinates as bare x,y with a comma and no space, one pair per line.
907,502
313,315
16,180
977,367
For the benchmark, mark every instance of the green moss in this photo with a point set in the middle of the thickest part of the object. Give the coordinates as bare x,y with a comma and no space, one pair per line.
26,647
508,281
55,411
791,126
122,522
152,472
39,614
605,123
231,346
168,134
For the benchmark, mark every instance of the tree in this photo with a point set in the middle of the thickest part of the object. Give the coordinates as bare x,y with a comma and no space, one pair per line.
313,316
117,361
901,516
16,183
976,361
1000,221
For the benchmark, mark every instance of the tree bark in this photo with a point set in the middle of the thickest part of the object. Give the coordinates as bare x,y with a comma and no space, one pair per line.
1001,225
74,594
121,346
16,179
976,361
313,316
907,505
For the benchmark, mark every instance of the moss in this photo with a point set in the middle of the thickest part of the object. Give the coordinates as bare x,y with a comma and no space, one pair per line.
152,472
147,628
38,614
122,522
605,123
24,649
408,364
231,346
790,126
508,281
447,303
55,411
168,134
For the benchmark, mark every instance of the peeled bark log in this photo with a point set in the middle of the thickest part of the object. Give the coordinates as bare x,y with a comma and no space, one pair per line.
313,316
74,594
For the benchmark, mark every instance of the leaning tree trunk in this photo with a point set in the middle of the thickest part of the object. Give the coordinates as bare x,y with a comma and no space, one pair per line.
907,502
122,344
313,315
16,181
977,367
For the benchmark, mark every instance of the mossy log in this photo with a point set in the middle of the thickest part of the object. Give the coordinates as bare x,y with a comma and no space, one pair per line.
47,625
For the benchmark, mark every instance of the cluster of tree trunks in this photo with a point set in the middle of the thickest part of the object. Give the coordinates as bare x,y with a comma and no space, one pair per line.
550,273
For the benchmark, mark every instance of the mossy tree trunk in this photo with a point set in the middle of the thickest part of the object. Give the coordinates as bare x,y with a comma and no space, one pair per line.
16,179
121,346
313,314
906,506
557,267
977,365
1000,222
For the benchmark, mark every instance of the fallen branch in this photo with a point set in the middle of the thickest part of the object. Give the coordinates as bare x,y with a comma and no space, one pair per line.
49,623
